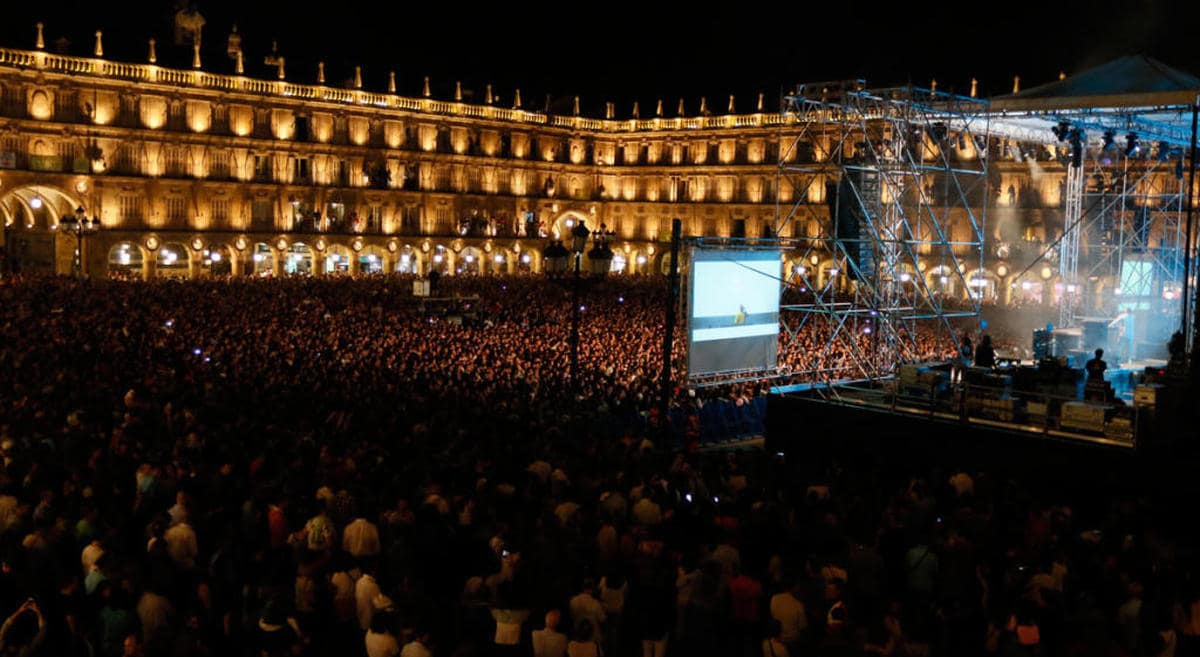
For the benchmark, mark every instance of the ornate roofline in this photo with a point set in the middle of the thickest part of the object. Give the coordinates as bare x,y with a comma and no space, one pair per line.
103,69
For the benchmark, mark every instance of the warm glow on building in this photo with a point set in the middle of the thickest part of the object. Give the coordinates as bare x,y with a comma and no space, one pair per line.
154,111
241,120
358,129
393,134
41,105
265,163
321,125
199,116
283,124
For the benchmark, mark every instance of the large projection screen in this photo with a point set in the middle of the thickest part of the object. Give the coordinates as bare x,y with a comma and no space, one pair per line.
733,301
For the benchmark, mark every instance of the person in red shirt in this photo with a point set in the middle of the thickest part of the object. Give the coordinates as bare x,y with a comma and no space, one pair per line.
277,524
745,594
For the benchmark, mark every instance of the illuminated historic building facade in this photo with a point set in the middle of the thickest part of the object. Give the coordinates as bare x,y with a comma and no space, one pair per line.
193,173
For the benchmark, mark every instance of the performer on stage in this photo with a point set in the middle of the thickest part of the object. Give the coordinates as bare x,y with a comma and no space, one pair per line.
962,359
1095,367
985,355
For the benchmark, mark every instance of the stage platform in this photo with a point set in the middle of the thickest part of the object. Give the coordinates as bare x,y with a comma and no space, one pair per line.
978,409
820,436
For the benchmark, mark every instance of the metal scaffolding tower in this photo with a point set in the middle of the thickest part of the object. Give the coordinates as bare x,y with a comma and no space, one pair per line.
1068,261
1125,254
882,194
1127,228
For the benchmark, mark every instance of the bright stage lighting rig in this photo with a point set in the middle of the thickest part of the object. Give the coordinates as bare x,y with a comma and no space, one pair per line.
1077,139
1062,130
1132,145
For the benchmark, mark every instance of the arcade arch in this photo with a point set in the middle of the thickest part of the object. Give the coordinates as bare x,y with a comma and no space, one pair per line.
470,261
262,259
298,260
172,260
125,260
408,261
372,260
337,260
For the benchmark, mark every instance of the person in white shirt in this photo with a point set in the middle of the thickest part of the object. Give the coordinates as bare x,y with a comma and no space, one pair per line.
365,591
647,512
582,644
787,608
320,532
179,512
90,555
772,646
10,512
342,585
612,595
361,538
549,642
379,641
585,606
509,618
418,646
181,545
155,613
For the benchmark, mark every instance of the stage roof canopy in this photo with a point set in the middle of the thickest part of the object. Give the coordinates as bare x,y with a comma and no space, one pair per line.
1131,94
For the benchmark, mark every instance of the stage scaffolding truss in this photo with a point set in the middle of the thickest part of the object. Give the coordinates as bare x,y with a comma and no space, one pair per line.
881,195
1123,252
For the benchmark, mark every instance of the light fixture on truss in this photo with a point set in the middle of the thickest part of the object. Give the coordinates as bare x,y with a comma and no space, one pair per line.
1132,145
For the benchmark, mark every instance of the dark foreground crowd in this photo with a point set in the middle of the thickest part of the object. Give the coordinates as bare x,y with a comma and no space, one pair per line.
316,467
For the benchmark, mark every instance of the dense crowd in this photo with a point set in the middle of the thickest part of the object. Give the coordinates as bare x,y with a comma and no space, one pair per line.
317,467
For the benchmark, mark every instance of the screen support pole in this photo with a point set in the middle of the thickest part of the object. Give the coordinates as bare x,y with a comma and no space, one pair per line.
664,401
1189,324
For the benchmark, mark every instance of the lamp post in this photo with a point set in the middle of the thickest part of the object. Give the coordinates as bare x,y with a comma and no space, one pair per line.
601,256
80,225
579,238
554,258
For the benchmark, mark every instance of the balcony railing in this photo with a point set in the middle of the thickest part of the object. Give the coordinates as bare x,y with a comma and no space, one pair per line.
150,73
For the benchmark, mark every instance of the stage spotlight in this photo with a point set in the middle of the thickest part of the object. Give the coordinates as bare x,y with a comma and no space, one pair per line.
962,142
1062,130
938,132
1077,140
1179,168
1108,138
1164,151
1132,145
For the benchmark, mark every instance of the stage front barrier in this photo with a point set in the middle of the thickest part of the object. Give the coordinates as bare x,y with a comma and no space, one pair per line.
1061,414
719,421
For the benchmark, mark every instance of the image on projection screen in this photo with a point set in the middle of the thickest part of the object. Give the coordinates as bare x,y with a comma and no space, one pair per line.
734,302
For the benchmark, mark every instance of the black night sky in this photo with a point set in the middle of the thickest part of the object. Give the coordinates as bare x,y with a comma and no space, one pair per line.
623,51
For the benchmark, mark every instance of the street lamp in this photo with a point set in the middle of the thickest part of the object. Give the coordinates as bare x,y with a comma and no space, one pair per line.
554,258
80,225
579,238
601,256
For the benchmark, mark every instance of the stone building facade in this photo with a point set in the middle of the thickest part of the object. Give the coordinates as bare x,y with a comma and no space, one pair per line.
193,173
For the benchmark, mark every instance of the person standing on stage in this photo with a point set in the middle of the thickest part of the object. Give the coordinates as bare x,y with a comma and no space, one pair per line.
1095,367
962,359
985,355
